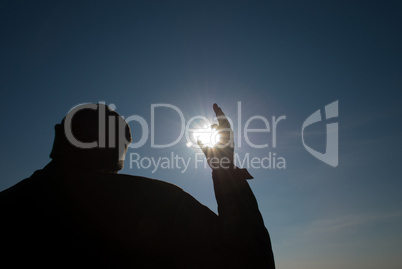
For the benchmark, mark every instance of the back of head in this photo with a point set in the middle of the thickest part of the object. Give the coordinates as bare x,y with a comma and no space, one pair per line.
91,137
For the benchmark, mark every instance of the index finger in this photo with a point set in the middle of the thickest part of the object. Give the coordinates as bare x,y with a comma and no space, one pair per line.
223,121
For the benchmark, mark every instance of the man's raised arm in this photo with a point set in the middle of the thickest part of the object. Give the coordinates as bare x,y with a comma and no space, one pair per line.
241,222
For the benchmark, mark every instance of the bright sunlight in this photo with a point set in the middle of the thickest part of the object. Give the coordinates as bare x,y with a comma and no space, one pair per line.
207,136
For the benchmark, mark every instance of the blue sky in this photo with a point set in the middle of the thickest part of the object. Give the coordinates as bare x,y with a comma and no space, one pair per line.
275,57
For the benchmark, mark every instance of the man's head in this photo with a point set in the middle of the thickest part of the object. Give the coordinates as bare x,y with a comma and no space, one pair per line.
91,137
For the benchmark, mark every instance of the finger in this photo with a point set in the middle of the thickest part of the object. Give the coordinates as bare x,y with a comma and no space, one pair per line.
223,121
203,147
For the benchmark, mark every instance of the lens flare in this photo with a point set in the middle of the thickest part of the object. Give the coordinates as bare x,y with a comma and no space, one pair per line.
207,136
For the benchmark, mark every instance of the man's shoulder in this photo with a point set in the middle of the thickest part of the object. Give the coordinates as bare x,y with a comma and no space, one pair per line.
100,189
20,189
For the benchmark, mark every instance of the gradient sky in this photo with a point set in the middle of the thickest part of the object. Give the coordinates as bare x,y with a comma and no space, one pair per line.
275,57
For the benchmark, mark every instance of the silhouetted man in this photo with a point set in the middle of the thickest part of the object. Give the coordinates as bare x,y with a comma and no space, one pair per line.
78,211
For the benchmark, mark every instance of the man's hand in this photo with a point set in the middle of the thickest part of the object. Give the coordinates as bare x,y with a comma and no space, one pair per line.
221,155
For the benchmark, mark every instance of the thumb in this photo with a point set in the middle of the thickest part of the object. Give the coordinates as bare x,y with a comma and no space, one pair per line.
203,147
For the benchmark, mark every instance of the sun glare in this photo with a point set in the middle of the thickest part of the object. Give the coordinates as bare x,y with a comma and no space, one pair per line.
207,136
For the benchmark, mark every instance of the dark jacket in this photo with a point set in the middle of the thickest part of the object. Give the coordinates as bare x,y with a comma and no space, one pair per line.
59,218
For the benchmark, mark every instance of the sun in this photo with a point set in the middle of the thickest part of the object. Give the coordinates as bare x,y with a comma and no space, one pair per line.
207,136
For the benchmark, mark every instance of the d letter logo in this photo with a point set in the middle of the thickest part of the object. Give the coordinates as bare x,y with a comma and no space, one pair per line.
331,148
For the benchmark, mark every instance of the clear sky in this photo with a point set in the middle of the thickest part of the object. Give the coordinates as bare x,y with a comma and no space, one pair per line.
277,58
